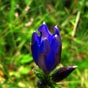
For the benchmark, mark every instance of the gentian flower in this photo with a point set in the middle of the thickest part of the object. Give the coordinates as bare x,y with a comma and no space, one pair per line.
46,48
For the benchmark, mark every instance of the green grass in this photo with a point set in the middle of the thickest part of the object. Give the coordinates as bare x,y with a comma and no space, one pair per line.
18,20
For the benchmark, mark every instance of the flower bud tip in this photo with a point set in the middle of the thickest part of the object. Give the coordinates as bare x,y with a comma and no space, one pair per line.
75,66
44,23
56,26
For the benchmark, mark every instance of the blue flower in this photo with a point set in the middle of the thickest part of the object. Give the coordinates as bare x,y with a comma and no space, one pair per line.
46,48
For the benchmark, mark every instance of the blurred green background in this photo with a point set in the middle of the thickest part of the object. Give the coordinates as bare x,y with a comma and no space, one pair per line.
18,20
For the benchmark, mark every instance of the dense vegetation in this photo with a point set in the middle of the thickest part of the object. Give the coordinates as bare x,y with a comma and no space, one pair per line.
18,20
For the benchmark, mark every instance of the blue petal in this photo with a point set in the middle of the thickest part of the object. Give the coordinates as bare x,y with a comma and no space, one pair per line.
56,43
35,46
45,46
43,29
57,30
43,51
54,56
35,38
50,60
56,48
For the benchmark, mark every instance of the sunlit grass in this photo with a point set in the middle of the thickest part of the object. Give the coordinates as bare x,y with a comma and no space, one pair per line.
18,20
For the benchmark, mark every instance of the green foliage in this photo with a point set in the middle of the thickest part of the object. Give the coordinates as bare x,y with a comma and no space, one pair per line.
23,59
18,20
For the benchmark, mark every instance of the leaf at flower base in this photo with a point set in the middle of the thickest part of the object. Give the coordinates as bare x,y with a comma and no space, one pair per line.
62,73
39,73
